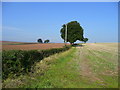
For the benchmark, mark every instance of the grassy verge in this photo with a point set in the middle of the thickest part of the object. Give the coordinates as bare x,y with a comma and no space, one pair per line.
58,71
43,69
57,75
62,73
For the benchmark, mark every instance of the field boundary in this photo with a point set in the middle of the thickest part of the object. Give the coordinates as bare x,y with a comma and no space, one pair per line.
17,62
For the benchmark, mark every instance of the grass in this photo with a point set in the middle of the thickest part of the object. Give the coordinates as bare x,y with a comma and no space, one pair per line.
76,68
56,74
55,61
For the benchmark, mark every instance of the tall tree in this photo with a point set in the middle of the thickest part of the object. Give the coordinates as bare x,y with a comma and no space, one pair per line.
40,41
74,32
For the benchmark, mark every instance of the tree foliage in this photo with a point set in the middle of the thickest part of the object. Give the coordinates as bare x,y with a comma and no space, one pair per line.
47,41
74,32
85,40
40,41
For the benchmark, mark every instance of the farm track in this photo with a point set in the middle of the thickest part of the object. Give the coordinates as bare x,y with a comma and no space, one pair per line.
90,66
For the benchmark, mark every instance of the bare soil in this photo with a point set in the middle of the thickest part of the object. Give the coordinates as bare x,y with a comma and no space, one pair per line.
31,46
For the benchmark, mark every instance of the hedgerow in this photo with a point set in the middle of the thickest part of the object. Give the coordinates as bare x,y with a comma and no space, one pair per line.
17,62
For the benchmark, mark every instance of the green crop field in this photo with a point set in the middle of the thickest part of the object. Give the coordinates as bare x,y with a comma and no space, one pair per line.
94,65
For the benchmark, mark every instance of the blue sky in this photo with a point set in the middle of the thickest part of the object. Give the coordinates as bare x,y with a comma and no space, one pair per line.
28,21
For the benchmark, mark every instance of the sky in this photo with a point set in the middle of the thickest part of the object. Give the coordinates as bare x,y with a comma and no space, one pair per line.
60,0
29,21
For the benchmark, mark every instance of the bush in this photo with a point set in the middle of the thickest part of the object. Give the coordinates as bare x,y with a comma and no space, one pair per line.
17,62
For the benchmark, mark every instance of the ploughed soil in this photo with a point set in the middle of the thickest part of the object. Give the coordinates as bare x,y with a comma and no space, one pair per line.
30,46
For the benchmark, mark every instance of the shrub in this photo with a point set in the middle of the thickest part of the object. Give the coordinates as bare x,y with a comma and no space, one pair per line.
17,62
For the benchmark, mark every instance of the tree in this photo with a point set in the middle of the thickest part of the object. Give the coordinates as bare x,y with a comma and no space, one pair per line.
47,41
74,32
85,40
40,41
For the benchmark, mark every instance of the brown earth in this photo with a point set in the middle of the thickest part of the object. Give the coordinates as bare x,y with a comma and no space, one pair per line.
32,46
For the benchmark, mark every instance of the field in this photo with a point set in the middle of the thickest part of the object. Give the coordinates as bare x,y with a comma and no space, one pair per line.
94,65
29,46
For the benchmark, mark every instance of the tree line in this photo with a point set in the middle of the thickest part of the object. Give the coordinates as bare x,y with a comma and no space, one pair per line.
41,41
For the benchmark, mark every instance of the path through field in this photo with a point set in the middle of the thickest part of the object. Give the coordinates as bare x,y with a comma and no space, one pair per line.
90,66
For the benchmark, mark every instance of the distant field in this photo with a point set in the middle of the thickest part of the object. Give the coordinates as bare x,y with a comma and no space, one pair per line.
29,46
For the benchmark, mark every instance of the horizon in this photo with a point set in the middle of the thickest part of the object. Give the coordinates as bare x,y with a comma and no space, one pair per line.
29,21
58,42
